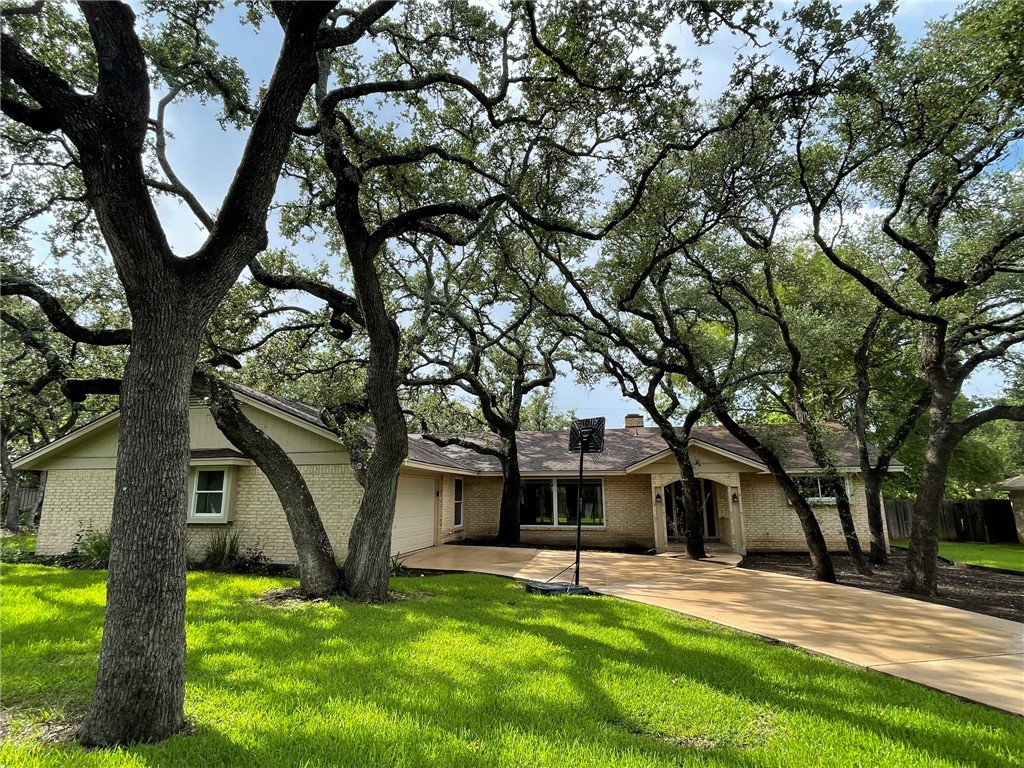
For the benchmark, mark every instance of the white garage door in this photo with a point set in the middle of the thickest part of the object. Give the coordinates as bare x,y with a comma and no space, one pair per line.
414,515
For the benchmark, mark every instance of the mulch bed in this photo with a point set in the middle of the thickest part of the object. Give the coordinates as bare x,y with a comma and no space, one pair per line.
982,590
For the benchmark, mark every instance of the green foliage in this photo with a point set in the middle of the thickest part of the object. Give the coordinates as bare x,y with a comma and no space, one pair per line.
222,551
980,461
539,413
91,550
397,568
17,548
36,359
470,670
444,412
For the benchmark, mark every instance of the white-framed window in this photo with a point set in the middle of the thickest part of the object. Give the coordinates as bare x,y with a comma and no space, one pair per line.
554,502
818,489
210,495
458,502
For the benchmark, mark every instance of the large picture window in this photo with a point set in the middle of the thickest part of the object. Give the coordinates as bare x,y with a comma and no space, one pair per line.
537,503
543,498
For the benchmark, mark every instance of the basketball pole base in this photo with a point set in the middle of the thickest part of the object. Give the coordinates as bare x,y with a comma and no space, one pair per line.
556,588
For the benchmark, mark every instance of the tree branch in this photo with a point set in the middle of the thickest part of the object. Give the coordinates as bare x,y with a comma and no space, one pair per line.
993,413
59,317
359,25
337,300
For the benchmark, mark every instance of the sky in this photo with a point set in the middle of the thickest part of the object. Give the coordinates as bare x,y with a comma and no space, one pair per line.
205,158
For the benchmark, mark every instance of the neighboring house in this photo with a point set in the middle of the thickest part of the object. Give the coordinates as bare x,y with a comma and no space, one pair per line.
1014,488
448,494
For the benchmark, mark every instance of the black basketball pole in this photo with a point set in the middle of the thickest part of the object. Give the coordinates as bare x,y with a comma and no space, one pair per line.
579,504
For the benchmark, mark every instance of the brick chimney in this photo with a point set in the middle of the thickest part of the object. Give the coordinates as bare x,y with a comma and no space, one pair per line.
633,421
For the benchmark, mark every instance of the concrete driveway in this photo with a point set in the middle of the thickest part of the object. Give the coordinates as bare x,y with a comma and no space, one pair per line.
967,654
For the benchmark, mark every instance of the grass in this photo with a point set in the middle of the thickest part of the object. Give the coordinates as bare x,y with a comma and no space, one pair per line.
469,670
1009,557
17,547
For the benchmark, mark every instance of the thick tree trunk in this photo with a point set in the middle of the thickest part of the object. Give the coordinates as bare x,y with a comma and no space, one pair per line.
821,560
13,482
511,495
920,574
823,458
368,564
319,574
857,555
140,686
878,553
692,504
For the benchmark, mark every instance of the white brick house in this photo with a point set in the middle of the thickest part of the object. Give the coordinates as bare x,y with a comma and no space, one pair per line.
448,494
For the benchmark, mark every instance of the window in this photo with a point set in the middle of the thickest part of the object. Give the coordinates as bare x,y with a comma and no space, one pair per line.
458,502
537,503
816,488
541,498
593,508
209,496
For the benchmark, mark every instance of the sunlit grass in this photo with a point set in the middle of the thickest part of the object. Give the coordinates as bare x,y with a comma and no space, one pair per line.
1009,557
471,671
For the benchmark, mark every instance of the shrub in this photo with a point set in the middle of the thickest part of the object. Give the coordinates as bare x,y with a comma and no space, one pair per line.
221,550
252,560
17,548
91,550
397,568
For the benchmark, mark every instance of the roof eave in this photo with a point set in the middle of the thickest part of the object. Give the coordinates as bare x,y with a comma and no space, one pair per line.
26,462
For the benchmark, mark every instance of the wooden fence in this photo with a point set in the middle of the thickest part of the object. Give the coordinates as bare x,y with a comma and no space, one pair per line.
989,520
29,497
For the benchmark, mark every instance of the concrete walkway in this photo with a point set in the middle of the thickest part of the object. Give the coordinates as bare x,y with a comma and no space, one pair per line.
967,654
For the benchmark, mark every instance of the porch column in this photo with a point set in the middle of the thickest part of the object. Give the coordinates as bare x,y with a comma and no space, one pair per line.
736,518
658,508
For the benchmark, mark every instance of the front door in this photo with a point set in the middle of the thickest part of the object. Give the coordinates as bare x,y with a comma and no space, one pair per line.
675,516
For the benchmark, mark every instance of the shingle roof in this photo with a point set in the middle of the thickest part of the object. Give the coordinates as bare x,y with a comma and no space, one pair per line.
306,413
547,452
1013,484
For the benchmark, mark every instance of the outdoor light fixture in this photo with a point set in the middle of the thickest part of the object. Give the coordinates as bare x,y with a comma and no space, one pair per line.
735,498
657,497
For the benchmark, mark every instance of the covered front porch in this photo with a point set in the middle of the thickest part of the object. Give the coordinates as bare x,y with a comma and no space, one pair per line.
721,507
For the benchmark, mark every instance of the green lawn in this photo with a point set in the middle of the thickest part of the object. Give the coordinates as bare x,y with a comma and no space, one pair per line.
14,548
1007,556
471,671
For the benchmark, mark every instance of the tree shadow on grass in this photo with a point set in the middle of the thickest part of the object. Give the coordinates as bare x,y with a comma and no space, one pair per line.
483,674
816,688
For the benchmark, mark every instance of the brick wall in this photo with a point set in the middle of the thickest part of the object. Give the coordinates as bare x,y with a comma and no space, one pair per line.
83,498
771,524
627,508
261,524
80,499
481,499
448,530
76,500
